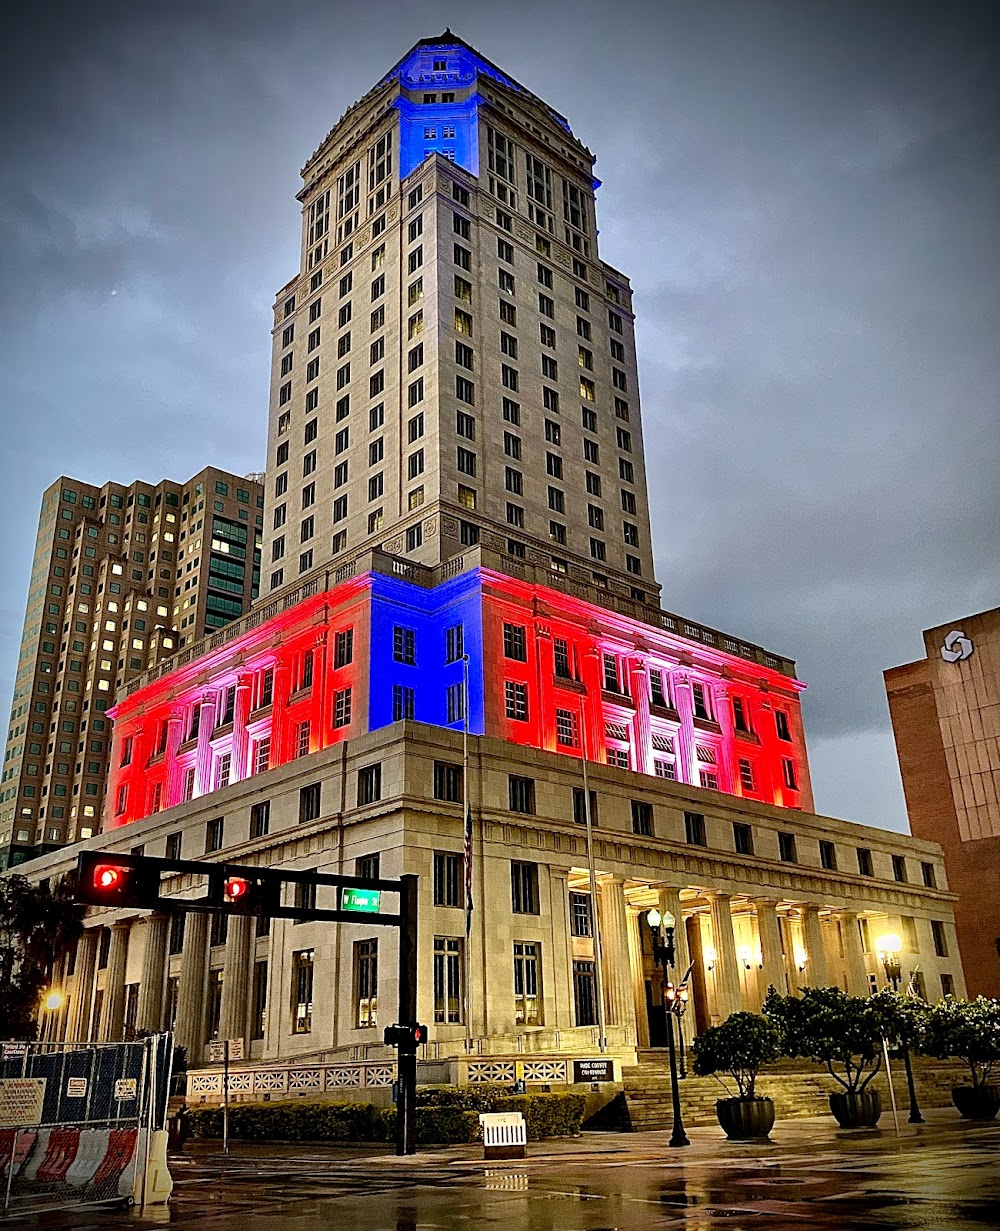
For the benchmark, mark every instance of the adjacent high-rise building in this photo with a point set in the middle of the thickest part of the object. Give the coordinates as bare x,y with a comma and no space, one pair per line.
456,362
460,633
945,711
123,576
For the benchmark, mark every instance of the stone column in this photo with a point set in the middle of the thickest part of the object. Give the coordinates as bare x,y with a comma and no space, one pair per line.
174,786
236,978
614,945
728,776
190,1029
279,713
83,995
854,956
729,997
114,987
149,1014
772,973
643,731
241,737
816,972
203,756
684,754
544,656
637,968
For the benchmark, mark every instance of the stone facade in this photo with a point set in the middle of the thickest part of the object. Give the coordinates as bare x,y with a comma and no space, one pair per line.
946,721
523,979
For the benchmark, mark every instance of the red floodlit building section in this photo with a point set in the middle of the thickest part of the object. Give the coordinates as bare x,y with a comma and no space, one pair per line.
546,670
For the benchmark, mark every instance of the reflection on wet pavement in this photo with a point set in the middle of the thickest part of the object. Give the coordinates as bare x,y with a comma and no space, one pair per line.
942,1176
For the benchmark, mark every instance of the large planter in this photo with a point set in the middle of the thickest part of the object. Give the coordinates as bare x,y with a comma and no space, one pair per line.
976,1102
860,1110
744,1119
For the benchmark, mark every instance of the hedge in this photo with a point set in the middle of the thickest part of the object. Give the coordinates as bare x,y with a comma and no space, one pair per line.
444,1117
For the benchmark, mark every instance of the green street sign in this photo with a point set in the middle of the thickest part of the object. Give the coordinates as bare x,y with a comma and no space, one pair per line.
364,901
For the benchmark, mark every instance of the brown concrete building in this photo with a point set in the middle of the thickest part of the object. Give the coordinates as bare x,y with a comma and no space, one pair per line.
122,577
945,712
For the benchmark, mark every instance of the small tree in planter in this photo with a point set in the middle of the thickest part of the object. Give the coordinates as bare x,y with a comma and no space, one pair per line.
826,1025
968,1030
740,1046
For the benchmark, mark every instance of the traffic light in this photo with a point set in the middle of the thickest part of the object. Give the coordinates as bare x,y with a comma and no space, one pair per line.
406,1038
246,893
117,880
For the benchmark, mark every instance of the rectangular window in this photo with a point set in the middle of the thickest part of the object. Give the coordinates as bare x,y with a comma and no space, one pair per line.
928,875
701,702
747,780
527,983
566,729
584,993
449,879
899,869
403,699
781,725
524,888
310,802
448,966
214,834
642,818
342,708
515,642
788,774
827,855
448,782
173,846
786,848
369,785
580,806
516,700
465,390
742,839
343,653
580,923
366,983
521,794
940,938
302,991
694,829
260,819
865,866
455,703
404,645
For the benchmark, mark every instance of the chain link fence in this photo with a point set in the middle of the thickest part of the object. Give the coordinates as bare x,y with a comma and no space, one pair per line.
76,1120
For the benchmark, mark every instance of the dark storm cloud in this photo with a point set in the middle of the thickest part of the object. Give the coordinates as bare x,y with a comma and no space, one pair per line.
805,196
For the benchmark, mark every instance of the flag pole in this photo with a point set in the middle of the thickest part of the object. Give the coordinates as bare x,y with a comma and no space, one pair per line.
602,1039
467,843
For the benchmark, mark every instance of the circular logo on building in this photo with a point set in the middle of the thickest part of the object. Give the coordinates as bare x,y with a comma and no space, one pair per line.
957,647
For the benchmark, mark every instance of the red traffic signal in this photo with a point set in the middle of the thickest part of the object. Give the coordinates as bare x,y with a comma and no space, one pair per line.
235,888
406,1038
117,880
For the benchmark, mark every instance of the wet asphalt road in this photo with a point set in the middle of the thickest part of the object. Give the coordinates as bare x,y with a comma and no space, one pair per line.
943,1176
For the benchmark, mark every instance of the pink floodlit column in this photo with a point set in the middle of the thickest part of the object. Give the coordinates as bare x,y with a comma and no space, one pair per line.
203,755
545,663
279,724
175,734
643,731
770,762
593,739
323,720
687,766
241,737
728,777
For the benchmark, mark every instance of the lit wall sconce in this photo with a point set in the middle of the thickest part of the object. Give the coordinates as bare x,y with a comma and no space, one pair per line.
709,954
745,954
801,957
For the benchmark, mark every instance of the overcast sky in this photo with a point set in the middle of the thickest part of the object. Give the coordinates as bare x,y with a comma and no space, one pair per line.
804,194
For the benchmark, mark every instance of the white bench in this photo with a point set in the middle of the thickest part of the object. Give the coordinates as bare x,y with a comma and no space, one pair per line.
505,1134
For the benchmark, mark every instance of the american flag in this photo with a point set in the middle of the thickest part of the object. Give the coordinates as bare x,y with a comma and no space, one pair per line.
468,869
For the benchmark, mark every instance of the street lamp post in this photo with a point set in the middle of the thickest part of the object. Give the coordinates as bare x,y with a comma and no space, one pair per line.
676,1002
890,947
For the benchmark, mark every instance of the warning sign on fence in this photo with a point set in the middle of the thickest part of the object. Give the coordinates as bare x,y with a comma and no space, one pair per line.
76,1087
125,1089
21,1100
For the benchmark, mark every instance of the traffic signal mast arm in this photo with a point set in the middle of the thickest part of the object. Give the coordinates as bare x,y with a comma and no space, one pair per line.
137,881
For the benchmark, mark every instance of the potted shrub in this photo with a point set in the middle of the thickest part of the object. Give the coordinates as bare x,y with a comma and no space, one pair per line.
740,1046
845,1033
968,1030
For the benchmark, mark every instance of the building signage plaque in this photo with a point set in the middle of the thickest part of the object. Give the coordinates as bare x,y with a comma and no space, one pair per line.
21,1101
593,1070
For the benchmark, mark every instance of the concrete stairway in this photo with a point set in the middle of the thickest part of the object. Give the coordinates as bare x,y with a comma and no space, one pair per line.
797,1087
